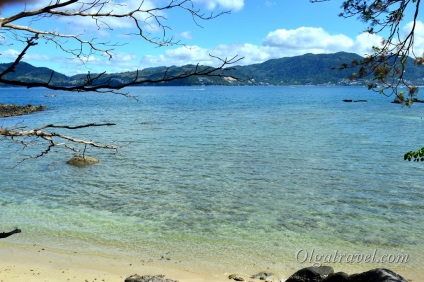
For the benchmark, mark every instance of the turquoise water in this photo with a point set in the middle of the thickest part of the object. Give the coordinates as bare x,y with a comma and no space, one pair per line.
215,177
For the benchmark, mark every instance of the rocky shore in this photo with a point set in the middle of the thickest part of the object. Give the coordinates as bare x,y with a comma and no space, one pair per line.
17,110
308,274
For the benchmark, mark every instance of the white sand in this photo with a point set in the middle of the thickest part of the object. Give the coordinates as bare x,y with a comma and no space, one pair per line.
38,264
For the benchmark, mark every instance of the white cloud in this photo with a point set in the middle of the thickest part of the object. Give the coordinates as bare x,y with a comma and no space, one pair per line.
277,44
419,36
307,38
11,55
234,5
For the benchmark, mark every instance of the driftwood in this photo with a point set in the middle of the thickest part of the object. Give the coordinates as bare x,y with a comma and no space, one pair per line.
7,234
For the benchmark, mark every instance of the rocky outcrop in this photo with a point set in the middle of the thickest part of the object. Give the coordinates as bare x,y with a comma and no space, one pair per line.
308,274
16,110
81,160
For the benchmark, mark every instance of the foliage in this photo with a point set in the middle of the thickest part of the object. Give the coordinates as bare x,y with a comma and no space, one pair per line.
417,156
387,63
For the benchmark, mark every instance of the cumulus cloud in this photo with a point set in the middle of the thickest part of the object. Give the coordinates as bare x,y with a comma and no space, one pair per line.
316,40
306,38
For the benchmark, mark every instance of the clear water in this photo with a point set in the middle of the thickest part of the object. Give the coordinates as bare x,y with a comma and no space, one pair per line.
221,178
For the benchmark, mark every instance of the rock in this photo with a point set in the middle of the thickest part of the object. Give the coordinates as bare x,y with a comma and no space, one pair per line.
262,275
148,278
16,110
374,275
235,277
80,160
311,274
355,101
326,274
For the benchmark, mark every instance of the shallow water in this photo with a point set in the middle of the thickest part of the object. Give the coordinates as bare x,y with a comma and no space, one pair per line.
214,176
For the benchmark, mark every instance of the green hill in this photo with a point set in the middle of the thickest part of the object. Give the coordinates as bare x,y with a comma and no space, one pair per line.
308,69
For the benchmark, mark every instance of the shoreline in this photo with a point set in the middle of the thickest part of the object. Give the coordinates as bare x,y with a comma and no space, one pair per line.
21,263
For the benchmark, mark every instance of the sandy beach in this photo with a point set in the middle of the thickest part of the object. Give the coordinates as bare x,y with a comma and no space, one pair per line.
38,264
35,263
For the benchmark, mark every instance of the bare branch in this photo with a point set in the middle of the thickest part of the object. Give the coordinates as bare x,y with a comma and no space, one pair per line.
52,138
145,20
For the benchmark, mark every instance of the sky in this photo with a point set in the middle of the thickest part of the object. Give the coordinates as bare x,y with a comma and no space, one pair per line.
255,30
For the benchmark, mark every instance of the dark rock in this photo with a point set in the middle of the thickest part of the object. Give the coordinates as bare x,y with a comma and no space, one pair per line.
235,277
311,274
262,275
80,160
16,110
356,101
376,275
148,278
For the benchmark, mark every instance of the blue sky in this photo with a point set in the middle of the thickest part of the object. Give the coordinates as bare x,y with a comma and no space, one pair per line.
257,30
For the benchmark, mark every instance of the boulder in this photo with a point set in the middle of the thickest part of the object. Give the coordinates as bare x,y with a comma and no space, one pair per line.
326,274
235,277
311,274
374,275
82,160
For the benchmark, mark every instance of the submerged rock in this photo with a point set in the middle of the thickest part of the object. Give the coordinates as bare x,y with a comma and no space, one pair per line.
16,110
80,160
148,278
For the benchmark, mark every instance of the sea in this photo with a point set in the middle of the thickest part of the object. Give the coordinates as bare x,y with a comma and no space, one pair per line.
221,179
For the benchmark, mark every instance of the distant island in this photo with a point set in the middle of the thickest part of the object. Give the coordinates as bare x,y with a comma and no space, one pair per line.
308,69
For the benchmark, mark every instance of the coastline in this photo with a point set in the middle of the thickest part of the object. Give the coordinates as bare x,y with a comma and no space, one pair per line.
21,263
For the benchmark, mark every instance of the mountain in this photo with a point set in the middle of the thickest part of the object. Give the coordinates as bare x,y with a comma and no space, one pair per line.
26,72
301,70
308,69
